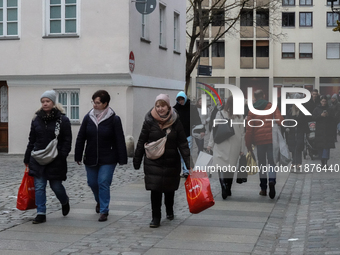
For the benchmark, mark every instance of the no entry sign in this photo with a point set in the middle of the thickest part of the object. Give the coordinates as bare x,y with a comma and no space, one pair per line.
132,62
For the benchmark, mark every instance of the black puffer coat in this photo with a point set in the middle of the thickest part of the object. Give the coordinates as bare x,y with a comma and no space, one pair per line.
42,132
295,135
162,174
324,137
105,144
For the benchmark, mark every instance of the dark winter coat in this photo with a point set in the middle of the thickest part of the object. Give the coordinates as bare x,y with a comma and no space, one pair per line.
324,137
261,135
162,174
105,144
295,135
188,116
41,134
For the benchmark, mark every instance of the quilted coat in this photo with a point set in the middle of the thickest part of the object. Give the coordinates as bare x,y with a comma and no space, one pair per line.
162,174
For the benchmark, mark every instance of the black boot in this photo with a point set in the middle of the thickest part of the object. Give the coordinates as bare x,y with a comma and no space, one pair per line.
155,223
224,189
322,162
229,183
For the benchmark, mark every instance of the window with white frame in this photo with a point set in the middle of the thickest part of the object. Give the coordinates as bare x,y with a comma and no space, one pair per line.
69,99
62,17
9,18
288,50
176,31
306,50
306,19
162,25
332,50
145,27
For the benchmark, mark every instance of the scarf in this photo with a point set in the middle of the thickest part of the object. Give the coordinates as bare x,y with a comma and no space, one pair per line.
164,121
100,114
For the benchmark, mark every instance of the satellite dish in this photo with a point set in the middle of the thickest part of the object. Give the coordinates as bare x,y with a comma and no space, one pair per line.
145,6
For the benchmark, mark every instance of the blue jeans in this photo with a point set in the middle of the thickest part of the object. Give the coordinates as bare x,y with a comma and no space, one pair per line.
264,153
324,153
99,178
184,168
40,193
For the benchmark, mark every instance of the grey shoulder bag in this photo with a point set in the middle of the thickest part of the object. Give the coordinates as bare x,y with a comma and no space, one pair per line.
47,155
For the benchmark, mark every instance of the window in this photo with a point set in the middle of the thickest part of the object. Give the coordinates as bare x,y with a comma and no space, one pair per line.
306,2
288,50
332,17
217,49
262,18
288,2
176,32
262,49
217,18
62,16
205,52
337,2
204,18
145,32
288,19
247,49
306,19
306,50
162,25
3,104
69,99
332,50
247,18
8,18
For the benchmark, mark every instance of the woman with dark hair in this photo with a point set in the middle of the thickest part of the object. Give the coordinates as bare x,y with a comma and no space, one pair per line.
324,137
43,131
227,153
162,175
102,131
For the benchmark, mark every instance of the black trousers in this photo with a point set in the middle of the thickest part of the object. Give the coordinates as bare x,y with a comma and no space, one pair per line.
156,203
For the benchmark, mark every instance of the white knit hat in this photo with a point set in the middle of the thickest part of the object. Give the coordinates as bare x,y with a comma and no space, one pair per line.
49,94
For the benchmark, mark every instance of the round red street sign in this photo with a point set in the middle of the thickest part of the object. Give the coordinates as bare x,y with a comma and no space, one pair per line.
132,62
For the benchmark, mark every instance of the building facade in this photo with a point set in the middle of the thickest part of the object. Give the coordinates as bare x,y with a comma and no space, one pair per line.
79,46
289,45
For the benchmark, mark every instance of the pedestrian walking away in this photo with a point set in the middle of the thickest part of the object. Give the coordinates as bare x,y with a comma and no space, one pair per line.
227,153
162,175
103,134
261,136
42,132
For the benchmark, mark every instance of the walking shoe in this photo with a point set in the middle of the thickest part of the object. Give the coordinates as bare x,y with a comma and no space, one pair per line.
40,218
65,208
185,175
263,193
272,192
155,223
103,217
97,208
170,216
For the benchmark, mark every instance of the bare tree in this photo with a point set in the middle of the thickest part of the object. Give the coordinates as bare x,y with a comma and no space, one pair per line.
225,14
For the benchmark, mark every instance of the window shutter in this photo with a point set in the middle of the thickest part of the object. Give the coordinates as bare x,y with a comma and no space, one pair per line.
306,48
288,47
332,50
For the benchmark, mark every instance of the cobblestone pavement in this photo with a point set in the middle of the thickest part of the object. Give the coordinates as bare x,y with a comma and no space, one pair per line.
306,217
11,173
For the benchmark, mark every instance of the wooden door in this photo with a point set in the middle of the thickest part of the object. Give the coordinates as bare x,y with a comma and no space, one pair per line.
3,116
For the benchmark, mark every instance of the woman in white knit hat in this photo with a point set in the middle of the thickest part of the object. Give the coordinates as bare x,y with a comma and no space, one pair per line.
42,132
162,175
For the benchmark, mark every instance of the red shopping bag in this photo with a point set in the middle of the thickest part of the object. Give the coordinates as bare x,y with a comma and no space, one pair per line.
26,193
198,192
